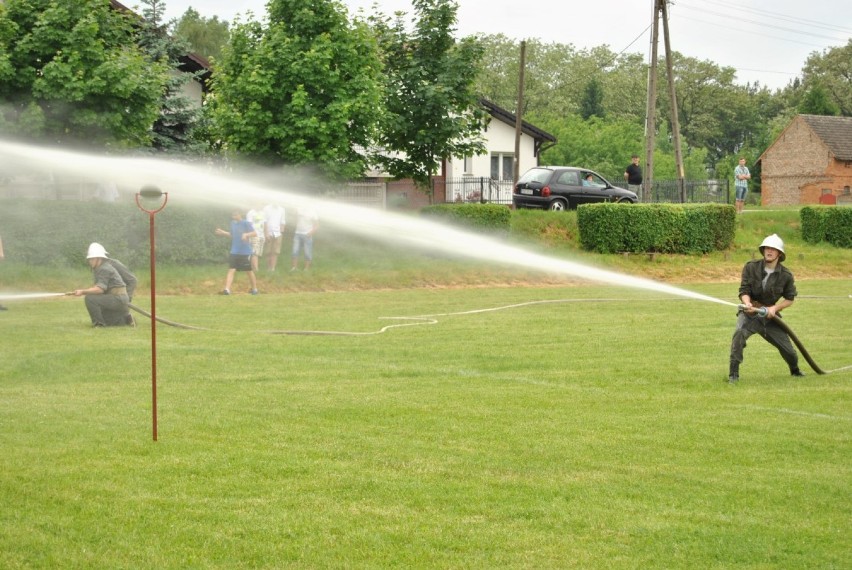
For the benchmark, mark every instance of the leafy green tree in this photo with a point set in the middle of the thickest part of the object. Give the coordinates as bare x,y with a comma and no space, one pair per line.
207,36
173,130
817,101
431,107
72,71
300,89
592,102
832,70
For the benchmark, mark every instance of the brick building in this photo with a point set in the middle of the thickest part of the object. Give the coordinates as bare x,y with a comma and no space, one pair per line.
809,163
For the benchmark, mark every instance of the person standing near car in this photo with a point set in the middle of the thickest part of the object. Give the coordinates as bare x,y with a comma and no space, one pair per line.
633,175
741,178
765,284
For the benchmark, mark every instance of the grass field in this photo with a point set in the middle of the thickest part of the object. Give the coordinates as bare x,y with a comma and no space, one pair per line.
519,423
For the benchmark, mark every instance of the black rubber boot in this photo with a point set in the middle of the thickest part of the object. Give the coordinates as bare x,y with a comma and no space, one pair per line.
796,372
734,372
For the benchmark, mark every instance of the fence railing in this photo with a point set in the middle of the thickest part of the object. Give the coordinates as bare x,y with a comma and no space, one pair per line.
488,190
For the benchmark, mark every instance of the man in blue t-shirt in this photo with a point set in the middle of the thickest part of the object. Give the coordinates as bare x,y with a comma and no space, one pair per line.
240,259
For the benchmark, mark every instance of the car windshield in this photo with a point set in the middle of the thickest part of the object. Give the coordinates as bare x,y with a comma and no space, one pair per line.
536,175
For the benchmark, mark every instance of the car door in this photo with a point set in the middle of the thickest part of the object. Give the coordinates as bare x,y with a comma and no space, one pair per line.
595,189
567,185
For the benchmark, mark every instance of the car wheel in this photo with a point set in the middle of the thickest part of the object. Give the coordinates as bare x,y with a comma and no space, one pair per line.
557,206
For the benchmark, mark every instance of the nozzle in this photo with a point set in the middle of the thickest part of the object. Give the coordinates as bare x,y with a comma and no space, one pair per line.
761,311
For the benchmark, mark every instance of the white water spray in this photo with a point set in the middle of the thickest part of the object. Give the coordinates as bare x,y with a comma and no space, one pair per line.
203,184
27,296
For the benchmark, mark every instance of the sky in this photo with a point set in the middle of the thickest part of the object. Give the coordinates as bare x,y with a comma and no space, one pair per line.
766,41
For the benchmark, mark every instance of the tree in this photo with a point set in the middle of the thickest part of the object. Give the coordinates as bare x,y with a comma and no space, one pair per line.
592,103
817,101
207,36
301,89
72,71
173,130
431,107
832,70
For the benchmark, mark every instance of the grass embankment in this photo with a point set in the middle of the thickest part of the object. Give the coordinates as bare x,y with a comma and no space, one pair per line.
517,427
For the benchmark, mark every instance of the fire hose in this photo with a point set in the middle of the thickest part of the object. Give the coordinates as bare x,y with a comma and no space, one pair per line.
763,312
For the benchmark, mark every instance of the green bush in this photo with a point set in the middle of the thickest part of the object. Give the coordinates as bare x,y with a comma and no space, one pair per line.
59,232
663,228
493,217
827,223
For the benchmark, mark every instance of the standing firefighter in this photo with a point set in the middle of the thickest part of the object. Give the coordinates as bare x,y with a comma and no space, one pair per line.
107,300
766,288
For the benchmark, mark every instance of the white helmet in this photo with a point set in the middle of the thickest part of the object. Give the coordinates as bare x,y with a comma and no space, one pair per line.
774,242
96,250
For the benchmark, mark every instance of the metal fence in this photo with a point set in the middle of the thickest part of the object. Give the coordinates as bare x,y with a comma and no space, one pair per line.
477,189
487,190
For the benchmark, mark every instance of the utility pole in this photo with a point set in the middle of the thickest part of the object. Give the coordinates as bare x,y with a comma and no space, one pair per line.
673,102
660,10
516,164
651,109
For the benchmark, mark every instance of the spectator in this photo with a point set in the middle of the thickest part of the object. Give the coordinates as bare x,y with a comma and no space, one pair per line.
241,253
633,175
258,222
307,224
275,223
741,178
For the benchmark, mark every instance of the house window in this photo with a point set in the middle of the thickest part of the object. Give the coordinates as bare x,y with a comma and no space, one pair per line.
502,166
468,165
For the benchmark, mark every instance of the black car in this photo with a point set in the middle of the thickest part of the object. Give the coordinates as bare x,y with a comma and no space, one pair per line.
564,187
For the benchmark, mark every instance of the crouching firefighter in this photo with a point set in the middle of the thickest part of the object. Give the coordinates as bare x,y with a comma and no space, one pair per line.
767,287
108,299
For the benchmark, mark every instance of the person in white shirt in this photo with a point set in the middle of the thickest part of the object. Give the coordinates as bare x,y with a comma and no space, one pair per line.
275,223
258,221
307,224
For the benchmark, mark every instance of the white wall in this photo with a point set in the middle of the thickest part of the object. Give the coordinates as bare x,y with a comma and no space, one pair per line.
499,139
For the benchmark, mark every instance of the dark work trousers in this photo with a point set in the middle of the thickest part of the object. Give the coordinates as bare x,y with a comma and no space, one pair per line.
748,325
108,310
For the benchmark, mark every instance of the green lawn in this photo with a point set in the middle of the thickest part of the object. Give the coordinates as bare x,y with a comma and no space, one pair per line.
597,432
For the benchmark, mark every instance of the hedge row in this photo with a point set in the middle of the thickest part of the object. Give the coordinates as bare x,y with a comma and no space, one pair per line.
663,228
827,223
59,233
492,217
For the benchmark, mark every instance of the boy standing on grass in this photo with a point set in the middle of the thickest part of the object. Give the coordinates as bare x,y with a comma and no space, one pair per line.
241,251
764,282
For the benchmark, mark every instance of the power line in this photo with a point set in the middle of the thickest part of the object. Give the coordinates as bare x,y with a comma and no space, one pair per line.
757,22
733,29
779,16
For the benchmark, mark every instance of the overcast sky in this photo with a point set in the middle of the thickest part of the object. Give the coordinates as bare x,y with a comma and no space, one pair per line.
764,40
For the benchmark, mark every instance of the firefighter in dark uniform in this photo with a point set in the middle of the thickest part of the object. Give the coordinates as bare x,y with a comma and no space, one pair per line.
107,300
766,283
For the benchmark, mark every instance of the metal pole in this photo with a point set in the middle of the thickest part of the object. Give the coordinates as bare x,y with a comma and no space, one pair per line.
153,328
516,164
673,102
149,192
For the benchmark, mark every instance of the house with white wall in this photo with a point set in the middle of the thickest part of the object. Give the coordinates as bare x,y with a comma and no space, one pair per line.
471,174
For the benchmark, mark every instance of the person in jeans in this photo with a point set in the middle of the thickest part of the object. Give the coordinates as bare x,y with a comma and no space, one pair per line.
633,175
307,224
741,178
765,284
